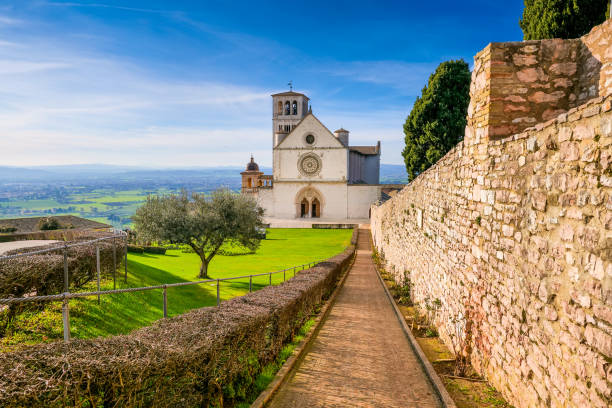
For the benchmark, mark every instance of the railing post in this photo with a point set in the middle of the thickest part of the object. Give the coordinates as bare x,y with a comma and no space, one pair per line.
218,294
165,302
114,265
250,283
65,268
270,276
66,319
98,269
126,245
284,275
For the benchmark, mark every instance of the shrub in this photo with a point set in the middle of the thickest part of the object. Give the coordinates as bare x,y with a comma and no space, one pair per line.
206,357
136,249
7,229
49,224
155,250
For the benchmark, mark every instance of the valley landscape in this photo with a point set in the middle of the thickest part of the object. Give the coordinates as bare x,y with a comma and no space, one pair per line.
111,194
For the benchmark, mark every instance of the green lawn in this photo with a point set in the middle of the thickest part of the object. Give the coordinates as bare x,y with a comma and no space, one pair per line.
121,313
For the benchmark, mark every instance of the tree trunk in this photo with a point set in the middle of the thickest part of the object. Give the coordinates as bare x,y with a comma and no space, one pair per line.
204,269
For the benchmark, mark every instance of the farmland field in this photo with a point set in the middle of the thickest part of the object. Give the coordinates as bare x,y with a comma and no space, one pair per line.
106,206
121,313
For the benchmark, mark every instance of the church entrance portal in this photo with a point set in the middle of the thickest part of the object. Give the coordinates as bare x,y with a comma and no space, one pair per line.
309,203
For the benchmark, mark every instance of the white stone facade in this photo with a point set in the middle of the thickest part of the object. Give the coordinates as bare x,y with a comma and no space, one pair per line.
316,174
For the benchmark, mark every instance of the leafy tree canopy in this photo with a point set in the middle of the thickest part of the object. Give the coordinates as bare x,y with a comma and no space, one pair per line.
438,118
562,18
203,222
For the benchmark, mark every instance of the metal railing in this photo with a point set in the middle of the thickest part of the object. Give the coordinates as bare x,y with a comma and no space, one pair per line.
67,295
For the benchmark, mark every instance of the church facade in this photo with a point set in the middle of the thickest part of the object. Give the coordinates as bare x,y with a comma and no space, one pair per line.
316,174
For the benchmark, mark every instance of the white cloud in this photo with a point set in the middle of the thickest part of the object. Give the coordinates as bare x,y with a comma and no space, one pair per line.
409,78
4,20
61,104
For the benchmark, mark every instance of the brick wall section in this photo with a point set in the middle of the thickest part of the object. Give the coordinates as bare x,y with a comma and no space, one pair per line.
516,85
514,238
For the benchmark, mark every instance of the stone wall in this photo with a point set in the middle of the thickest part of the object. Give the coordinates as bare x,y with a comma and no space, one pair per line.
518,84
512,234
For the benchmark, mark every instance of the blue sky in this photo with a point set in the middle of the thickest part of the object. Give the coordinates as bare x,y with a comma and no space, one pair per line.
188,83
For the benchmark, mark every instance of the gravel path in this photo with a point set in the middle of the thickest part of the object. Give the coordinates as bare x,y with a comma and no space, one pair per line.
361,357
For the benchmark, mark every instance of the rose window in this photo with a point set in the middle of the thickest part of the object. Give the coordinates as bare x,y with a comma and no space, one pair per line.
310,164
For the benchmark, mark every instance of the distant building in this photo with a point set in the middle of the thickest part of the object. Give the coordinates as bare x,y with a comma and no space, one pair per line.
316,173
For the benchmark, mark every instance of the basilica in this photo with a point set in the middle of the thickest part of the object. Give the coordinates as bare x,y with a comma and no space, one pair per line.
316,174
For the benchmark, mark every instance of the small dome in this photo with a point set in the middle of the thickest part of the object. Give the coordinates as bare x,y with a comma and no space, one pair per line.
252,166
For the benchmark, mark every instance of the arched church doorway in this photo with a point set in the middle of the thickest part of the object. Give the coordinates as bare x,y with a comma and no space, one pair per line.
315,208
309,203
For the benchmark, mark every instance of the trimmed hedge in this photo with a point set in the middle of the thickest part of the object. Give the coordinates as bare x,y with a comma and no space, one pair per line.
155,250
139,249
135,249
43,274
206,357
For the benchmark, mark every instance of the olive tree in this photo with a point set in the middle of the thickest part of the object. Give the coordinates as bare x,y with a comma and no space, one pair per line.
205,223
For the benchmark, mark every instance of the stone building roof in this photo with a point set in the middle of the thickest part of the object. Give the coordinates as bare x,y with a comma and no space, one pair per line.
25,225
365,150
290,93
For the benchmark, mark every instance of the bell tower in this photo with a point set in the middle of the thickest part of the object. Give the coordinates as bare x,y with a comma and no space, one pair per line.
288,109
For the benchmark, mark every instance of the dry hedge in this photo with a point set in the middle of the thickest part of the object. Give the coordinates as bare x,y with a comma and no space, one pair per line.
43,274
206,357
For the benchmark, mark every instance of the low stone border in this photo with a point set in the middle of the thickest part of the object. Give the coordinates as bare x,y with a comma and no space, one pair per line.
285,372
433,377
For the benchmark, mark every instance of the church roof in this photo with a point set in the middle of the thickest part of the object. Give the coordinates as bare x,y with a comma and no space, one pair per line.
302,120
365,150
290,93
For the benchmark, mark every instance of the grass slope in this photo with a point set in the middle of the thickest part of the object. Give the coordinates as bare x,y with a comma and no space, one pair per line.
122,313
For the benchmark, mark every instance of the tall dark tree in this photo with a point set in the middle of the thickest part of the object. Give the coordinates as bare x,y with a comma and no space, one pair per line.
438,118
562,18
204,223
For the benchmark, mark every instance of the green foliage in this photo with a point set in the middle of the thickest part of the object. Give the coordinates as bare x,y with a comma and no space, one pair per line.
121,313
154,250
48,224
203,222
7,230
438,118
562,18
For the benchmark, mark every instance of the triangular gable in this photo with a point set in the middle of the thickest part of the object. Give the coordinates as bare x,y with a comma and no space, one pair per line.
310,124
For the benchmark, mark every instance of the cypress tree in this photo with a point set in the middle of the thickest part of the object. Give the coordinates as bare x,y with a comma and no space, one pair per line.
562,18
438,118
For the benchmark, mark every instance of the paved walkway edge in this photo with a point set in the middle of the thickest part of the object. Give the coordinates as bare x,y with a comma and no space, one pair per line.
433,377
298,354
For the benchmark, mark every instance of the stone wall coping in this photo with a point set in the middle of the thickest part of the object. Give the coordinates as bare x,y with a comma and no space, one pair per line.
602,104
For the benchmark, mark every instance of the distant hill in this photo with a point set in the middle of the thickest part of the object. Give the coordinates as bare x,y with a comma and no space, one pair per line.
393,174
229,176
